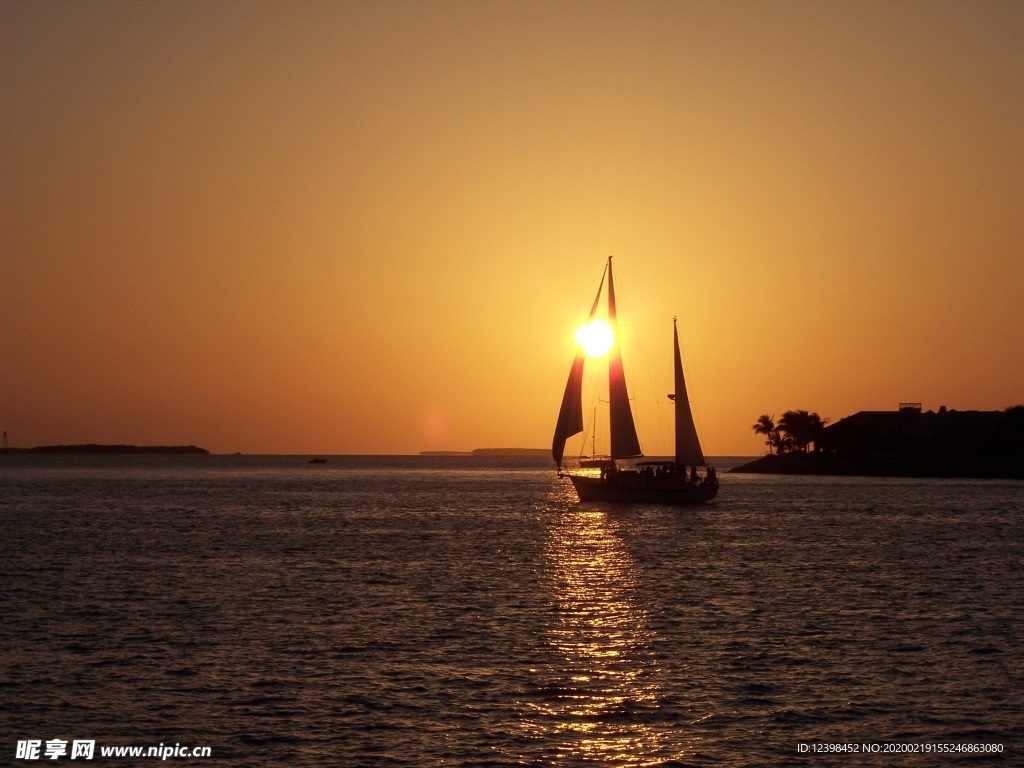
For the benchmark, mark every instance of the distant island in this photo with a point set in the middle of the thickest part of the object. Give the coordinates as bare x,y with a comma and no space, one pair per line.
94,448
907,443
531,452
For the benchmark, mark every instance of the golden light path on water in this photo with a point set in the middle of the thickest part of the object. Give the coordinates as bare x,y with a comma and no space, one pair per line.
603,703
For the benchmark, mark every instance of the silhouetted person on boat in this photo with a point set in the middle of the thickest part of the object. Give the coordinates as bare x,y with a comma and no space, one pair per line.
694,478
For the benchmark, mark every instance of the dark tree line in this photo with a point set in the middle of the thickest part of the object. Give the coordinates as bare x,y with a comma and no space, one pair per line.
794,432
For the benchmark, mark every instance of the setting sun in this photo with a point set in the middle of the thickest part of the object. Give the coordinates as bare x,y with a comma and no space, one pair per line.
596,337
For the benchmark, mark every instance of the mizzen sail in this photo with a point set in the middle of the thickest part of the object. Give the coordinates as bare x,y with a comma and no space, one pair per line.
687,444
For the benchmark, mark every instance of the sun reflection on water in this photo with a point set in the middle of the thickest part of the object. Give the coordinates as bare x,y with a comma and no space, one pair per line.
600,699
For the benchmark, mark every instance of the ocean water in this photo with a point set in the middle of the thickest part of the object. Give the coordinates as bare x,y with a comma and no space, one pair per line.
454,611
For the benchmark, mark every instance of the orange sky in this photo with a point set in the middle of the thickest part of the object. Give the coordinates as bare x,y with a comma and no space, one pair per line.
326,227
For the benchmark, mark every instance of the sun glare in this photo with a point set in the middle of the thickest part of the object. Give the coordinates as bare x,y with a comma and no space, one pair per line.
596,337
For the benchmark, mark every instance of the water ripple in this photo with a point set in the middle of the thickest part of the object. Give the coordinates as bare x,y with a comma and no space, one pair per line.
388,612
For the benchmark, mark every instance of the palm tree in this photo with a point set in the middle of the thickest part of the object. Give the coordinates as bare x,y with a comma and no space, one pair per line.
766,426
802,428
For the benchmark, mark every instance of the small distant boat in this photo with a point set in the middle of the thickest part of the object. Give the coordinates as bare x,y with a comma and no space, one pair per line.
639,483
318,461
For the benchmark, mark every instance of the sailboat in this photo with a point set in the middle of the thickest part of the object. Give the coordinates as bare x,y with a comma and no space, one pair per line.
665,482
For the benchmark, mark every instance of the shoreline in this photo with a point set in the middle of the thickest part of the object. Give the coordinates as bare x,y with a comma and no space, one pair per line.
117,449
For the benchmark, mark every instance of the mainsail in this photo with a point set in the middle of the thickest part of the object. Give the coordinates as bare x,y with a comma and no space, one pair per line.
625,443
687,444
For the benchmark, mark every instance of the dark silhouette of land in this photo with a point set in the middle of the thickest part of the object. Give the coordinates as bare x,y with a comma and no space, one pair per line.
492,452
546,452
94,448
909,443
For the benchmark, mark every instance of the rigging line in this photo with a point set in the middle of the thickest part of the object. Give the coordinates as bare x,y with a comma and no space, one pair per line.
595,380
591,425
590,433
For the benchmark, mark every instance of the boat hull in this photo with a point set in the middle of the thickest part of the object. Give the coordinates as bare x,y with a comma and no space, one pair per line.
640,490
